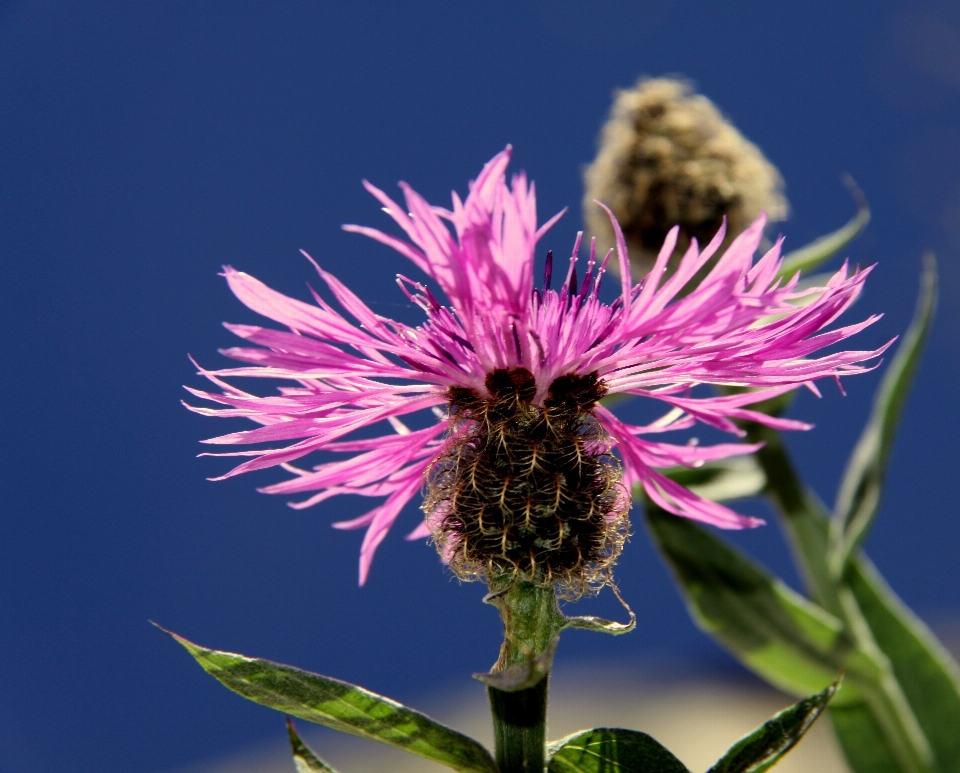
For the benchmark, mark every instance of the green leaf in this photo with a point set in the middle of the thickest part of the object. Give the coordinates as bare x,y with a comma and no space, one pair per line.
819,251
927,674
762,748
917,666
303,756
774,631
611,750
341,706
862,485
865,745
721,481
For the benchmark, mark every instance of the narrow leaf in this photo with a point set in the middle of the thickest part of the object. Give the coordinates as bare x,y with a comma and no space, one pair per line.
303,756
774,631
860,490
342,706
819,251
927,674
923,670
865,744
762,748
721,481
611,750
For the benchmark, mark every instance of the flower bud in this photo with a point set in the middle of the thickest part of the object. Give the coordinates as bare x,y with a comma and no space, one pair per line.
668,157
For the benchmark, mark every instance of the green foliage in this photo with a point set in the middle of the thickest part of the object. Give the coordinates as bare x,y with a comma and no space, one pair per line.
611,750
819,251
762,748
859,496
864,743
304,758
780,635
723,480
342,706
899,711
928,675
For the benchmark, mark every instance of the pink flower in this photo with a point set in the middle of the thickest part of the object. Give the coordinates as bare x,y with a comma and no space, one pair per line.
741,326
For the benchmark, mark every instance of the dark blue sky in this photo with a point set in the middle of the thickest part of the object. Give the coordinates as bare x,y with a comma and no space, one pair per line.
143,145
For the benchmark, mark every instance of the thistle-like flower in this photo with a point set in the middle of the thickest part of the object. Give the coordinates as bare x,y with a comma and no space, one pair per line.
526,474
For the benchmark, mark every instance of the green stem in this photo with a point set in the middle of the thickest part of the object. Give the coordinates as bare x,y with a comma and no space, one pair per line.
531,621
519,728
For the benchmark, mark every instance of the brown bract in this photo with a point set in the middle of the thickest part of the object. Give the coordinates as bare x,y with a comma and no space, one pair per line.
668,157
529,491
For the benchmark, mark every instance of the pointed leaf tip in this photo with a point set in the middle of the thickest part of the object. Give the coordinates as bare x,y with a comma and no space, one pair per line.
820,250
341,706
304,758
766,745
858,499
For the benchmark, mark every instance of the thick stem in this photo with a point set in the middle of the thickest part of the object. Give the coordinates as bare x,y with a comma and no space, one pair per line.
520,727
531,620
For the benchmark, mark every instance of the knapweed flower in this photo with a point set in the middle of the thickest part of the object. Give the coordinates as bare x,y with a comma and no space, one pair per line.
668,157
525,472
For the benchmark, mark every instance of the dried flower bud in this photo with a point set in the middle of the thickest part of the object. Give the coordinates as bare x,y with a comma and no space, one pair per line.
668,157
529,491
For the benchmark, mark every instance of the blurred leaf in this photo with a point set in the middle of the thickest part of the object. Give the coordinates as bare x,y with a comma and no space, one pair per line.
774,631
611,750
865,745
303,757
819,251
762,748
738,477
918,665
862,484
342,706
927,674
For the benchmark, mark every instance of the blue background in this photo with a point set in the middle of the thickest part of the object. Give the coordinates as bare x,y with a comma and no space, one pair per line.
142,145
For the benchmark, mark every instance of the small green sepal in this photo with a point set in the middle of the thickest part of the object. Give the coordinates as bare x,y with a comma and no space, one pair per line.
522,676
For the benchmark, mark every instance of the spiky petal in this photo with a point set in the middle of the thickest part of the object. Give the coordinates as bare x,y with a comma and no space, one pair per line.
350,370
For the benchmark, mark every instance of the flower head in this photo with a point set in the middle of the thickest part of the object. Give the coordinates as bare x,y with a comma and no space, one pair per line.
525,472
668,157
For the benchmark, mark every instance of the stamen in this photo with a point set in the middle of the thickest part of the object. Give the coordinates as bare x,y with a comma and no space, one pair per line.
536,340
548,271
434,303
586,284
